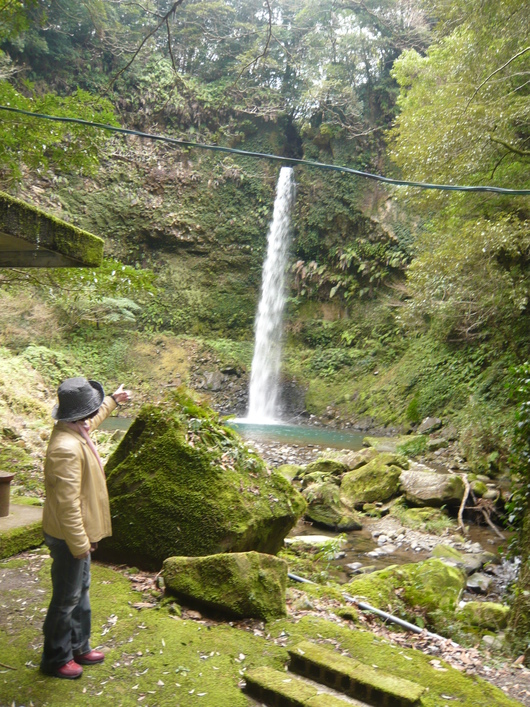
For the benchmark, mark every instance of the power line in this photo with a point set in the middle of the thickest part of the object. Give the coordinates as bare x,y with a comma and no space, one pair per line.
265,156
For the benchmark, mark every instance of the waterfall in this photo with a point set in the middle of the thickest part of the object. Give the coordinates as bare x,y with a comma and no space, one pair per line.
265,372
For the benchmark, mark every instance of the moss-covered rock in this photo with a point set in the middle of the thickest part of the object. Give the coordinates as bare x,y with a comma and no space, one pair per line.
375,481
289,471
325,508
352,459
484,614
431,587
429,520
181,484
323,468
242,584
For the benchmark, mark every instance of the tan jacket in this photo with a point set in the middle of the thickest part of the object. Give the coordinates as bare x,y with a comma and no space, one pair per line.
76,508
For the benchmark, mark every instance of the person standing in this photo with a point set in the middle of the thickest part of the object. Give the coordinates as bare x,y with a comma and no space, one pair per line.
76,517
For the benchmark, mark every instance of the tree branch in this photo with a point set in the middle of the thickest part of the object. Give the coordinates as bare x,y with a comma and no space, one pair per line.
145,39
263,53
511,148
523,51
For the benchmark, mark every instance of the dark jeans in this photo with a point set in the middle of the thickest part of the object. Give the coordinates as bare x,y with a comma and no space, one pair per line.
67,624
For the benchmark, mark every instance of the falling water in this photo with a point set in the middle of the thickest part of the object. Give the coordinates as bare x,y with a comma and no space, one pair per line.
265,373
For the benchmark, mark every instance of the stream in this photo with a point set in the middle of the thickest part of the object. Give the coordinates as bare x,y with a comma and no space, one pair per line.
362,549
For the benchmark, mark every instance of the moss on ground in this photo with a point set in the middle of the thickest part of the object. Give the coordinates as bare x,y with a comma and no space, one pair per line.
157,659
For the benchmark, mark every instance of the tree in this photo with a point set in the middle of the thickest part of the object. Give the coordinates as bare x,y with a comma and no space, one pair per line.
464,119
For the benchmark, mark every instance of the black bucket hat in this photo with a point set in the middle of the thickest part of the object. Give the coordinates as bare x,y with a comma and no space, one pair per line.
78,398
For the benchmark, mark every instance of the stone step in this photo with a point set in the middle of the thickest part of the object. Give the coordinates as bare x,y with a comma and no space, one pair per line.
280,689
353,678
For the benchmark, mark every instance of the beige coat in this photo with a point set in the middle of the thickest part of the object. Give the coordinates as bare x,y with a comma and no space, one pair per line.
76,508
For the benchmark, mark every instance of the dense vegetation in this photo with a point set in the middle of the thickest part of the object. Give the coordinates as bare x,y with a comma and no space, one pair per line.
426,289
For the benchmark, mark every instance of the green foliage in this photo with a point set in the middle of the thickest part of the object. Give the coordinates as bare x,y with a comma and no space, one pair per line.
463,119
413,448
520,445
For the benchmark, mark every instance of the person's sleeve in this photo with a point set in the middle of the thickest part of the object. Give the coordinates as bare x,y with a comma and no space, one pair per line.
107,406
67,468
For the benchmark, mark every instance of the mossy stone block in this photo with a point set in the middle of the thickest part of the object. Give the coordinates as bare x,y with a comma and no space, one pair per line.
352,677
182,484
242,585
274,687
19,539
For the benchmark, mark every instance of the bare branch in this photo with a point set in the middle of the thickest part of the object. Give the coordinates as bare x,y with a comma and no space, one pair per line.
265,50
145,39
515,56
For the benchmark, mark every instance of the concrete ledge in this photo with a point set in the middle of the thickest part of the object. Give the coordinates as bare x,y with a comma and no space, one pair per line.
353,678
278,689
20,530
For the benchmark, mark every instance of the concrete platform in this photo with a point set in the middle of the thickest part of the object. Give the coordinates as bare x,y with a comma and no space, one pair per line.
20,530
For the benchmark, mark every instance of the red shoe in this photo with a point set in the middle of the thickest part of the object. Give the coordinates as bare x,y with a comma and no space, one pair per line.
90,658
70,671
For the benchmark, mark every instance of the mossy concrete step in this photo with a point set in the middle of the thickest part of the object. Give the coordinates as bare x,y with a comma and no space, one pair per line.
20,530
352,677
280,689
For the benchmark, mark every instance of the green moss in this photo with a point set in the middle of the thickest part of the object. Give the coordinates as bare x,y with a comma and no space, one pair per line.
176,470
18,539
484,614
243,585
31,224
406,663
429,520
431,588
374,481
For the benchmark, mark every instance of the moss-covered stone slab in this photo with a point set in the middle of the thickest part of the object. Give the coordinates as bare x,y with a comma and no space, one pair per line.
352,677
19,539
241,585
182,484
31,238
273,687
375,481
326,508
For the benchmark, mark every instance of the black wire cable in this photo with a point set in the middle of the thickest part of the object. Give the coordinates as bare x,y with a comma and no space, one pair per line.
276,158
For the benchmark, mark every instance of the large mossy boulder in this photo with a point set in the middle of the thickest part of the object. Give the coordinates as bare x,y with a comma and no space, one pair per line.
424,487
486,615
432,588
325,508
376,481
182,484
240,585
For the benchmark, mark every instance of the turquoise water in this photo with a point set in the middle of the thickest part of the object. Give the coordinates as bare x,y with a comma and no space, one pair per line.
282,433
298,434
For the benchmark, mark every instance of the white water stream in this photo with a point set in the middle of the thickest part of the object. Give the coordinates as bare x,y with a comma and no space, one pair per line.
265,372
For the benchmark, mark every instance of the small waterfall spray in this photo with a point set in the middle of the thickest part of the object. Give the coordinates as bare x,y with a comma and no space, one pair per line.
265,372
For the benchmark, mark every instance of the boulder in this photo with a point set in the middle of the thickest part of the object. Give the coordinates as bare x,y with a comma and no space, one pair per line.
484,614
424,487
430,424
325,508
431,587
352,459
375,481
182,484
289,471
322,469
479,583
446,553
240,585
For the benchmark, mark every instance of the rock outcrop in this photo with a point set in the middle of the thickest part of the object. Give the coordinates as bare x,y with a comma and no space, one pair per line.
182,484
